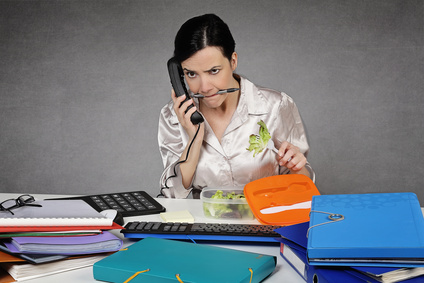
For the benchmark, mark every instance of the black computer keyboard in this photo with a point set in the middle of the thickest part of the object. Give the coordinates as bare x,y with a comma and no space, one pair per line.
127,203
202,231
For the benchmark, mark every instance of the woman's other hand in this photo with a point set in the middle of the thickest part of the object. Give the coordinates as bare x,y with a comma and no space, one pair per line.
290,156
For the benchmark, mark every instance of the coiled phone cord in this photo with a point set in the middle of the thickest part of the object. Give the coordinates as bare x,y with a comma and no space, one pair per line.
179,162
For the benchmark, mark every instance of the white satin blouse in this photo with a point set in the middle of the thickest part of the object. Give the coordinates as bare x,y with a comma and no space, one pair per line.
229,163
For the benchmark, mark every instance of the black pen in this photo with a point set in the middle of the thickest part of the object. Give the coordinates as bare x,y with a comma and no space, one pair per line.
228,90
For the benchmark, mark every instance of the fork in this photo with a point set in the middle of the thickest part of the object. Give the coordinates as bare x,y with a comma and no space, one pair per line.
270,145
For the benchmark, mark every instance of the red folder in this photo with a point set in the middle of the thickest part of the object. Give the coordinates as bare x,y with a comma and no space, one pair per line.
57,228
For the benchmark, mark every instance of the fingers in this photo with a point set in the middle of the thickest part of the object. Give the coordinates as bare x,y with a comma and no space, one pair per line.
181,106
178,99
286,151
291,157
182,111
297,162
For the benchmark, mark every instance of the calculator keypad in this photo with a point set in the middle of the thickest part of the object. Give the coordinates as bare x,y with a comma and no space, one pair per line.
124,202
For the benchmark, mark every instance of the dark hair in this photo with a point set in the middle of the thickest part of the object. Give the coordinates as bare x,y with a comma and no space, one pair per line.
200,32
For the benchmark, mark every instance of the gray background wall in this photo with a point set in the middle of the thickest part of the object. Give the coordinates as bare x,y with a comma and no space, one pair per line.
82,84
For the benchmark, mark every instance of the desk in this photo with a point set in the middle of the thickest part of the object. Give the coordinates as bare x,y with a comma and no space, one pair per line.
283,272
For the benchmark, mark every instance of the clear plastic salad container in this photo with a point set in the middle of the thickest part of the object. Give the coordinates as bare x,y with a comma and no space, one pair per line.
226,202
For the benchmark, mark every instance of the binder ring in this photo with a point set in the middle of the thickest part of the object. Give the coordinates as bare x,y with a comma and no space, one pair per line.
334,217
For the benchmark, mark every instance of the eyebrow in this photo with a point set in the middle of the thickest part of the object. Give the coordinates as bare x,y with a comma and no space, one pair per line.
214,67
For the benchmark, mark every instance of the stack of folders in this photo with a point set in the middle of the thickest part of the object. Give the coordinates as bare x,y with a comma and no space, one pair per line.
59,235
358,238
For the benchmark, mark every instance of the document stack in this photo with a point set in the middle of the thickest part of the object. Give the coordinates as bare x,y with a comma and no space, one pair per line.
39,238
358,238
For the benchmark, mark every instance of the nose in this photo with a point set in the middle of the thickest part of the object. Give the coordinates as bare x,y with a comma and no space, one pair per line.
205,85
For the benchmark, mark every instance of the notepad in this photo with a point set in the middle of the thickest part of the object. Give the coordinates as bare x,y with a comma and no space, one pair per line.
183,216
54,213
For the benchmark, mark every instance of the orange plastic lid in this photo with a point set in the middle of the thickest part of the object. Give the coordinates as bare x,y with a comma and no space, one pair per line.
281,199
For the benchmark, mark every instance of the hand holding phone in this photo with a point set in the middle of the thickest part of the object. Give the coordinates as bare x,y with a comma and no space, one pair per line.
176,75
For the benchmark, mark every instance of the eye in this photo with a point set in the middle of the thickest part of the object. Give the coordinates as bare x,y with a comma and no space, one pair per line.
191,75
214,71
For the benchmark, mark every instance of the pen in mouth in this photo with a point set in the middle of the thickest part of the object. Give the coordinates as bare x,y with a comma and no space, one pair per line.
228,90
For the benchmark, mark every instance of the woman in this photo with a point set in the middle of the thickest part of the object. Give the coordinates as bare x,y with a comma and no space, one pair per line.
214,153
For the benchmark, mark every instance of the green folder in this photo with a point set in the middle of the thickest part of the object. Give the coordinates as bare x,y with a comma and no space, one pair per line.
156,260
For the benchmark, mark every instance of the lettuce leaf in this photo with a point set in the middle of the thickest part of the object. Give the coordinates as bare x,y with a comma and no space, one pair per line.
258,142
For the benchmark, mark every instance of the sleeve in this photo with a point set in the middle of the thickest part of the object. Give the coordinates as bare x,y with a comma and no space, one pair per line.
172,140
293,129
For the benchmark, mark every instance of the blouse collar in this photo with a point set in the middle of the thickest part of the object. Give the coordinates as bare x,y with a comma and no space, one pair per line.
251,100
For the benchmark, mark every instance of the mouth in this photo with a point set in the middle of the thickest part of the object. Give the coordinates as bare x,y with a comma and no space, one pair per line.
228,90
198,95
212,95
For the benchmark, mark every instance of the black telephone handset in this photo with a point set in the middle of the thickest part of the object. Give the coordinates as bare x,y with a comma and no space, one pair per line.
176,75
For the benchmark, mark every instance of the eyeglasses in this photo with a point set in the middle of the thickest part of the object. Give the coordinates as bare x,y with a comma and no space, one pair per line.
14,203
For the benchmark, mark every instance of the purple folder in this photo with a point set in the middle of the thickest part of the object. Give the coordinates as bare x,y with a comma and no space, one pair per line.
104,242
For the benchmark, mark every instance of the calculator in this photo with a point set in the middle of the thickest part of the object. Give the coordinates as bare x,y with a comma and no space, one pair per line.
127,203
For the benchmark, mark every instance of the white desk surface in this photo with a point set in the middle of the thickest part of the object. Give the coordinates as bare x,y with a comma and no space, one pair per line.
282,273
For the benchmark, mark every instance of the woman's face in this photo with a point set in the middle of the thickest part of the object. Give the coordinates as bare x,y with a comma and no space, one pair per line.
207,72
